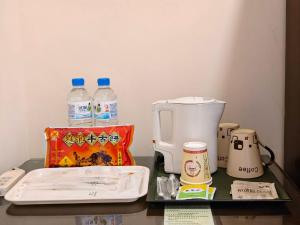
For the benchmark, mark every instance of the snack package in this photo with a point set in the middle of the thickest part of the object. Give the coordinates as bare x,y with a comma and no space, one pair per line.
89,146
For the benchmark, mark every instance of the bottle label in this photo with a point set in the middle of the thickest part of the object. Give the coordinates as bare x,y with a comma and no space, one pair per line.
105,110
80,110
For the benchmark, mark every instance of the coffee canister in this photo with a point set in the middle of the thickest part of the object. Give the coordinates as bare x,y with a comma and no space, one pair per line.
195,166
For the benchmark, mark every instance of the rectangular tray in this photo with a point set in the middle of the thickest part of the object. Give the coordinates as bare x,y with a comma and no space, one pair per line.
94,184
221,181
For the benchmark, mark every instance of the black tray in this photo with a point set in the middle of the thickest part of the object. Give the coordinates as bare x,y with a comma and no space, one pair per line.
220,180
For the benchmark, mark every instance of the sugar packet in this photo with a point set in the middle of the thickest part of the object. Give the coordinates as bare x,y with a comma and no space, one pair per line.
253,190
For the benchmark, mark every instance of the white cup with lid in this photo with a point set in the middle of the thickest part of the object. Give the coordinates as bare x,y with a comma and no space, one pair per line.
195,166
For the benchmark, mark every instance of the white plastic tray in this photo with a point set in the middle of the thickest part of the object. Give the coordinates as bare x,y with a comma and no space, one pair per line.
94,184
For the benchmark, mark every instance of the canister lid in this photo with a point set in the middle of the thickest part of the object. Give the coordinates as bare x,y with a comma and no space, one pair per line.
195,146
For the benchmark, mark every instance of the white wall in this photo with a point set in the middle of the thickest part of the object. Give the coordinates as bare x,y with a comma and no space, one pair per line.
14,129
232,50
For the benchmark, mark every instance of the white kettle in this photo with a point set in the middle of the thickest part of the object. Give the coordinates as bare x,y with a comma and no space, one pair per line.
194,119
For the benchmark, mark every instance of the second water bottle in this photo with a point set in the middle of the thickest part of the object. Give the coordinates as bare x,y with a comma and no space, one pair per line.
105,111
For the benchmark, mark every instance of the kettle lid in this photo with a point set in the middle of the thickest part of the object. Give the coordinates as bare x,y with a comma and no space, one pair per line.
194,100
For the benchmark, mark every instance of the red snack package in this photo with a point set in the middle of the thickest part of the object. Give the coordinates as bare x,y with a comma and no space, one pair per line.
89,146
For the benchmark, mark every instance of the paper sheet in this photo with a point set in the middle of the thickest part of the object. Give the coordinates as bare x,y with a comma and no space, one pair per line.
99,220
188,215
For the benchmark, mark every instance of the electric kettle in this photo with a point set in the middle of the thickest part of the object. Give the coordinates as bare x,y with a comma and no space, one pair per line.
193,119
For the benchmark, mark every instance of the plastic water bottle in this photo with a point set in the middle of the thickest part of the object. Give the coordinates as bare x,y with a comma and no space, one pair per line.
105,104
79,105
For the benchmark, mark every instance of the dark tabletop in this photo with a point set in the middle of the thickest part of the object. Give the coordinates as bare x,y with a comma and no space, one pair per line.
140,212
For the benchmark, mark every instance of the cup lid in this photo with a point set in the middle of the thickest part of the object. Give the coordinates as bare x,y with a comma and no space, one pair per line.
195,146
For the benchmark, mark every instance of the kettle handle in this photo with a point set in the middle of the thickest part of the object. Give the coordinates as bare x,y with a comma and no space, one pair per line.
158,143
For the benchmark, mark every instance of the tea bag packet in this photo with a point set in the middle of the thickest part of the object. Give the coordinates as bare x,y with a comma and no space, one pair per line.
211,192
193,191
253,190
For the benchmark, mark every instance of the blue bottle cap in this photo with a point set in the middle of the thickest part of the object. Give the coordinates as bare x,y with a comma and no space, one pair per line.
77,81
103,81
